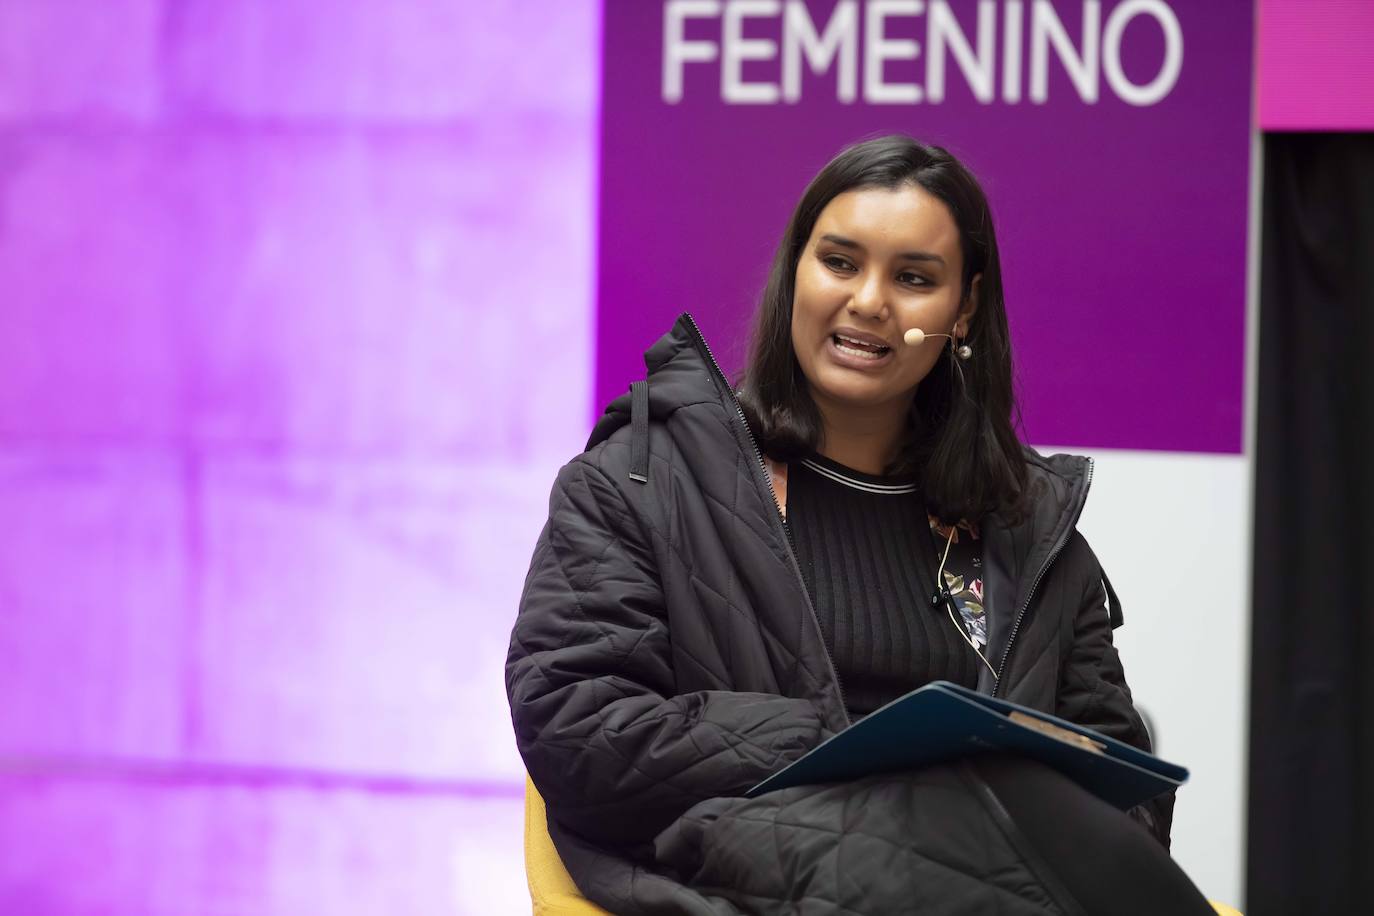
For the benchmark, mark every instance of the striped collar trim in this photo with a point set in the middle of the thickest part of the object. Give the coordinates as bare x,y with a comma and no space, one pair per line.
866,485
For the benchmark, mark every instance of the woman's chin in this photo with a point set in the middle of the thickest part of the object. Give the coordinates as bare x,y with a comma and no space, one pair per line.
844,388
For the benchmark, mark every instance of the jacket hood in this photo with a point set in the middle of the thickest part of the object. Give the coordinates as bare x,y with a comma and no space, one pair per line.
680,371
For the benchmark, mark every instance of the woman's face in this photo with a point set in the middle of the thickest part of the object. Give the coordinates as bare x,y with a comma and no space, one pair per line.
879,262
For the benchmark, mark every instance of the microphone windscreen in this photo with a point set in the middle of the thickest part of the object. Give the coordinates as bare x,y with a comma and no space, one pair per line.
915,337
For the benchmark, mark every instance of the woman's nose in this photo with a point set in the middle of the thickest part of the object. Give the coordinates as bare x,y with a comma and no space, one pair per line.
869,300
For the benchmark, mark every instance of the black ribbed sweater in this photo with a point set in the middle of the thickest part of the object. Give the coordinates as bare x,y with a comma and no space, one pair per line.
859,539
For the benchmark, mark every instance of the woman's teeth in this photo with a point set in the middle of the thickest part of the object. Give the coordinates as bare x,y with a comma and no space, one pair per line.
854,348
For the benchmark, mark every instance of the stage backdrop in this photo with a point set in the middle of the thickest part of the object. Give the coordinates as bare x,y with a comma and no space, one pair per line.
1113,139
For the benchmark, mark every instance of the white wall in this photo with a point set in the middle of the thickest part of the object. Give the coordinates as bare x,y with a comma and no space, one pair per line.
1173,532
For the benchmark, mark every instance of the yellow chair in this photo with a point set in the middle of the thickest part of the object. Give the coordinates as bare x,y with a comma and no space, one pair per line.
552,890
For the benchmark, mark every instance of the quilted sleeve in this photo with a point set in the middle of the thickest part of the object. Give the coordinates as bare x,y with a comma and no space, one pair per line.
1093,690
614,750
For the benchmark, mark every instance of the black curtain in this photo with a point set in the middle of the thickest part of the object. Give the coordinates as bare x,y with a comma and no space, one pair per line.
1311,791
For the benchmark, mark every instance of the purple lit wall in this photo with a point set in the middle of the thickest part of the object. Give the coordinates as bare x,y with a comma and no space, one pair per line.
295,304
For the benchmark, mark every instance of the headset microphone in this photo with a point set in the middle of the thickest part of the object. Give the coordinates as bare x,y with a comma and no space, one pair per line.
915,337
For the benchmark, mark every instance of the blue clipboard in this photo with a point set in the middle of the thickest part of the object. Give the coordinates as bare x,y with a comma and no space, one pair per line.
943,721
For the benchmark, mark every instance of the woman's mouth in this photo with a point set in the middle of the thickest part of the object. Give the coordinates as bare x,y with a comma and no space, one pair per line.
858,348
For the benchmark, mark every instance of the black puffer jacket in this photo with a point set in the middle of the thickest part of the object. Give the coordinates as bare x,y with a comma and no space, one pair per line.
666,658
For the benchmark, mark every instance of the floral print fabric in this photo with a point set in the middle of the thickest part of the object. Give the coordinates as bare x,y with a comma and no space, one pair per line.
963,575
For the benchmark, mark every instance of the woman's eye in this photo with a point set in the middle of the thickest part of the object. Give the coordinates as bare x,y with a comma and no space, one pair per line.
916,279
836,262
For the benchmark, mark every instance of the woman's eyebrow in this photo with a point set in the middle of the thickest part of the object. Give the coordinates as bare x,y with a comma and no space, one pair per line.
841,241
904,256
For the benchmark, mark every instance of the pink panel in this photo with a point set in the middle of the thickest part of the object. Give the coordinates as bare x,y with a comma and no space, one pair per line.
358,296
66,57
93,603
294,332
172,846
412,59
363,294
357,615
1316,65
91,335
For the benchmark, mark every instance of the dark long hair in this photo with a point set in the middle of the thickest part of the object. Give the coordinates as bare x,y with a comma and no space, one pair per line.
960,439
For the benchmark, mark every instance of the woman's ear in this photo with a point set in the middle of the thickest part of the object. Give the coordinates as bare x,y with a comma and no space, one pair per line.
971,302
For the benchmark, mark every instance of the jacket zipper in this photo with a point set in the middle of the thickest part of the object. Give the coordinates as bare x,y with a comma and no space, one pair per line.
1030,596
787,534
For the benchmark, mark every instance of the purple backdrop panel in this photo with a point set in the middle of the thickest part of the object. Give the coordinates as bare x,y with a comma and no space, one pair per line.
343,302
93,580
1112,139
351,624
276,288
91,339
106,65
1316,68
294,305
164,846
416,60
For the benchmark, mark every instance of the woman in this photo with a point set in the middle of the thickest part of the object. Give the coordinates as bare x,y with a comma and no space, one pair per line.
729,577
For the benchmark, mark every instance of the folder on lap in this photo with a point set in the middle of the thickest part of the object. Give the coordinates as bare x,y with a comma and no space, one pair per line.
943,721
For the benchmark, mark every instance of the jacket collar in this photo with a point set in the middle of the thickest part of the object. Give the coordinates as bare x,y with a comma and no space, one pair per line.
1018,552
